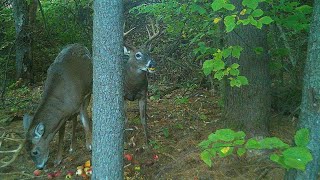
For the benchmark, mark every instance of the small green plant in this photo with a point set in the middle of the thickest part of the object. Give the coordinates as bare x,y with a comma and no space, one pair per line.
182,100
165,132
225,142
154,144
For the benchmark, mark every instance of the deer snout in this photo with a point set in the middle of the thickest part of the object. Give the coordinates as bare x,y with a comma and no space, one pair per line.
39,157
35,152
151,66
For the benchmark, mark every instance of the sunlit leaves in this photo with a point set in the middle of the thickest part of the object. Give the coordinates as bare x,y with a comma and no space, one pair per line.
257,13
230,23
302,137
266,20
207,67
219,4
253,4
293,157
225,142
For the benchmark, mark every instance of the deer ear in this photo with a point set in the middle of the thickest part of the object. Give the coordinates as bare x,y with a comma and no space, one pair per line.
126,51
26,121
39,130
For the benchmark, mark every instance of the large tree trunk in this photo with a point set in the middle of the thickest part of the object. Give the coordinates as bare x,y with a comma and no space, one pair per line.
248,108
23,39
108,116
310,106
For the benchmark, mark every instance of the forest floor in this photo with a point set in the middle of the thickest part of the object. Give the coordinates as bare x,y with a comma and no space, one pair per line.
177,123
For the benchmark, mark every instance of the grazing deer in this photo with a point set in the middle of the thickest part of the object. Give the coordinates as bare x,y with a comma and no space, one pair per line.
67,92
140,63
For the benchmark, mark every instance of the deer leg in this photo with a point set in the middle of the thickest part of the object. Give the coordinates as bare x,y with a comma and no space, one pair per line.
73,136
60,144
84,117
142,109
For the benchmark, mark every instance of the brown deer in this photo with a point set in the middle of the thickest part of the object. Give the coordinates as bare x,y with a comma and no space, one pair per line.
140,63
67,92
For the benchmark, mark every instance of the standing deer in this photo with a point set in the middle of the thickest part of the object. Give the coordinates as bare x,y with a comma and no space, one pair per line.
67,92
140,63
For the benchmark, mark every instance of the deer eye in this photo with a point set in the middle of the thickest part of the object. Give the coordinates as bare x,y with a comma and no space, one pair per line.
138,55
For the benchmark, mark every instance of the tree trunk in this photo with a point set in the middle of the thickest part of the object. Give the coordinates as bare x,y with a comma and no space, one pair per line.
23,40
310,105
248,108
108,116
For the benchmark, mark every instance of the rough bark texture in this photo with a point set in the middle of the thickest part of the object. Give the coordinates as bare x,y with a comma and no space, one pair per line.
23,40
310,106
247,108
108,116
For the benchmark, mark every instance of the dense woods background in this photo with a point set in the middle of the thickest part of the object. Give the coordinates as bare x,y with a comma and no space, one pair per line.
32,32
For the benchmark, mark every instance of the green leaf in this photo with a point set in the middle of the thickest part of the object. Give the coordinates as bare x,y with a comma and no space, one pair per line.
226,52
252,144
253,21
236,50
238,142
266,20
241,151
206,157
235,82
225,151
240,135
253,4
259,25
217,5
302,137
305,9
235,66
225,134
213,137
218,75
207,67
234,72
245,21
274,157
258,50
165,132
257,13
229,7
297,157
230,23
273,143
243,80
218,64
204,144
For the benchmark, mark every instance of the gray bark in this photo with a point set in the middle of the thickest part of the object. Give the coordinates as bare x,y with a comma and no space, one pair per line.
248,108
108,115
23,40
310,105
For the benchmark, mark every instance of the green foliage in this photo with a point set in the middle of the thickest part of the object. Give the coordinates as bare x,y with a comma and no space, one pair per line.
225,142
198,22
154,144
165,132
292,15
181,100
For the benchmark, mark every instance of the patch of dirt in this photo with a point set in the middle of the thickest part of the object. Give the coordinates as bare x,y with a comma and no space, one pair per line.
176,123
